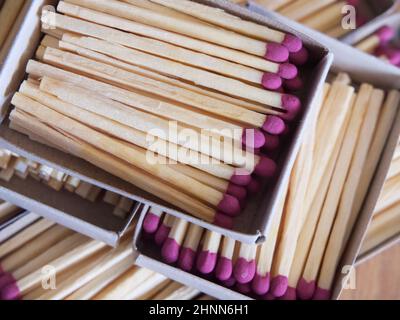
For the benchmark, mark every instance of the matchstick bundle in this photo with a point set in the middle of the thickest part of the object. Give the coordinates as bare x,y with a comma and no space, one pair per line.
311,230
12,165
383,44
182,100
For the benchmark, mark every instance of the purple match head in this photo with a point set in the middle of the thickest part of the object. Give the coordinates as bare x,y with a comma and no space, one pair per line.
10,291
292,105
299,58
170,251
276,52
241,177
150,223
161,234
292,43
254,186
385,34
243,288
244,271
223,221
322,294
230,282
253,138
271,81
187,259
269,296
394,56
290,294
260,284
229,205
5,279
272,143
266,167
238,192
353,3
206,262
274,125
1,271
295,84
279,285
305,290
288,71
224,269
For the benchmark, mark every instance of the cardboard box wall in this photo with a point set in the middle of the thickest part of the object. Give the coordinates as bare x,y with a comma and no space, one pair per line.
362,68
253,223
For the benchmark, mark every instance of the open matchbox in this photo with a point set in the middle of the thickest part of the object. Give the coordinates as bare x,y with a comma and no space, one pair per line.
362,68
252,224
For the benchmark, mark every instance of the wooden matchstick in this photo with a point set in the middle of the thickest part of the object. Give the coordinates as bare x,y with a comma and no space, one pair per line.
152,220
371,43
176,291
298,10
111,198
190,246
8,15
224,268
207,257
326,18
390,194
8,211
245,265
172,246
123,208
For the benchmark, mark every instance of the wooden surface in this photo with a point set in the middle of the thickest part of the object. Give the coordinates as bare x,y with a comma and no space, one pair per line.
378,278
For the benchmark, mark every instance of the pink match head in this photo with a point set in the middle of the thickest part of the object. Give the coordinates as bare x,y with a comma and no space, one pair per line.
288,71
266,167
241,177
206,262
1,271
353,3
385,34
295,84
150,223
10,291
394,56
238,192
292,105
271,81
290,294
299,58
223,221
161,234
274,125
224,269
272,143
244,271
254,186
279,285
243,288
260,284
292,43
321,294
230,282
305,290
5,279
276,52
229,205
187,259
253,138
170,251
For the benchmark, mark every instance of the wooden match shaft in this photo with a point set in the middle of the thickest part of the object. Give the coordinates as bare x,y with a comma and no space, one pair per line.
147,288
111,198
189,28
389,194
273,5
7,211
24,237
300,9
394,168
326,18
123,170
193,237
170,37
176,291
8,15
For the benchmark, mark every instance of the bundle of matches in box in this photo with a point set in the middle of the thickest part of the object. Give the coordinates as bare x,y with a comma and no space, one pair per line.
12,164
8,211
322,15
309,233
80,268
386,220
177,98
383,43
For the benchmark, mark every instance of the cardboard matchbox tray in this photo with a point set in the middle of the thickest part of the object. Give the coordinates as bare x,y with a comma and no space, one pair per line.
362,68
252,224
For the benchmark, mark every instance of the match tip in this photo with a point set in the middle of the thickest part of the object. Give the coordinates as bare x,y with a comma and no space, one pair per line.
238,192
170,250
290,294
150,223
295,84
292,105
206,262
10,291
243,288
279,285
274,125
161,234
230,282
288,71
254,186
299,58
253,138
266,168
292,43
223,271
276,52
241,178
186,259
272,142
386,33
305,289
223,221
260,284
244,271
394,56
322,294
229,205
271,81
